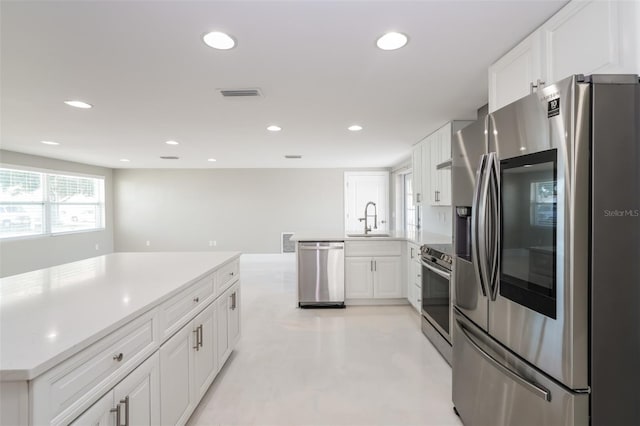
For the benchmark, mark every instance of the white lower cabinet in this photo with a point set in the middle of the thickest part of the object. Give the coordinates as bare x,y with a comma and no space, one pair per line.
188,365
205,356
414,277
228,322
358,277
373,277
373,270
133,401
175,372
387,277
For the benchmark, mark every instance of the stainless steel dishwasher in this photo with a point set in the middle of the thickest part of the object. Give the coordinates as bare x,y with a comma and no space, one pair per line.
321,274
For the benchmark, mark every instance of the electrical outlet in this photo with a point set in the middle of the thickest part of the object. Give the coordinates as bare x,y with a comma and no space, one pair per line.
97,246
215,243
148,243
210,243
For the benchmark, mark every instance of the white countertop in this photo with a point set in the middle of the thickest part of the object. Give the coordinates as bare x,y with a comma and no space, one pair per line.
414,237
50,314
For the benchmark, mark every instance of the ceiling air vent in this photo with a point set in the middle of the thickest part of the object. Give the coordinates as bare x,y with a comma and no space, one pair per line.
240,93
169,157
292,157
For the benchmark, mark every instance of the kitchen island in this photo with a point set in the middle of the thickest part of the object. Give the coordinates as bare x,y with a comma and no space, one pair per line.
72,334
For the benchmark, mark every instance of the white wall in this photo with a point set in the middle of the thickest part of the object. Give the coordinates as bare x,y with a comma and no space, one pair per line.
240,209
29,253
437,219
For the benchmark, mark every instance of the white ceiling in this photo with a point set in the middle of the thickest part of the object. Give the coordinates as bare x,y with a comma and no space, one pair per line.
150,77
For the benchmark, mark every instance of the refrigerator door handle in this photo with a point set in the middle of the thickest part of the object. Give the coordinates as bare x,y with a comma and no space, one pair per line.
493,248
484,247
534,388
475,225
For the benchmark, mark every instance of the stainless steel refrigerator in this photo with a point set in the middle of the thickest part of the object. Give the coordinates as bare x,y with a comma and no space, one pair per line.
546,199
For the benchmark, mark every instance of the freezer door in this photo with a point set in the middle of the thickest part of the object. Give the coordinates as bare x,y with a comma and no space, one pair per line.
539,306
468,156
493,387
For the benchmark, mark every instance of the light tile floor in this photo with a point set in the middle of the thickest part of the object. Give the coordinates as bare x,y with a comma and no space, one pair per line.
353,366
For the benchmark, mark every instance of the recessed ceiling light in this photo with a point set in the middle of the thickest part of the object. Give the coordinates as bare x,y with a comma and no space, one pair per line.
213,160
274,128
124,160
78,104
392,41
355,128
219,40
172,143
50,143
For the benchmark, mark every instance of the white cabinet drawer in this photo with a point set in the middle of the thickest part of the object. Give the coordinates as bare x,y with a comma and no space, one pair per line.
98,366
180,309
226,275
373,248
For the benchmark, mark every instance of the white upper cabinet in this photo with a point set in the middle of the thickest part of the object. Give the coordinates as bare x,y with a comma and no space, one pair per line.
436,174
584,37
439,171
589,37
417,172
511,77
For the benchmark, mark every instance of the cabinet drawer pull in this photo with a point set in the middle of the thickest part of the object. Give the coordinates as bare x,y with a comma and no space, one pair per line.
200,335
231,273
196,299
118,357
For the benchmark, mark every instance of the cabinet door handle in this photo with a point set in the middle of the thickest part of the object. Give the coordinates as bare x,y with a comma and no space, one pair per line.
418,197
117,411
371,265
118,357
233,301
411,252
196,345
375,265
539,85
125,401
200,339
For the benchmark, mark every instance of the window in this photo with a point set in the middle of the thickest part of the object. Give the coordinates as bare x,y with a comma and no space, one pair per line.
410,212
40,203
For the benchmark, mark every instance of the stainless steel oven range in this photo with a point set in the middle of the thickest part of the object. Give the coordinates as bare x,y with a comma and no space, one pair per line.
436,262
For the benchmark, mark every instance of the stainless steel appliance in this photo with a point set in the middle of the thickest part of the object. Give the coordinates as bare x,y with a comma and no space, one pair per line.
436,296
546,195
320,274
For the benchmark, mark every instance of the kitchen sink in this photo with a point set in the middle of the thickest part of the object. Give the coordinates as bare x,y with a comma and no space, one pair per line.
368,235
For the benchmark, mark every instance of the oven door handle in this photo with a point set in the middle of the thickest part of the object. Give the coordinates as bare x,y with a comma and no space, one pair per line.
437,271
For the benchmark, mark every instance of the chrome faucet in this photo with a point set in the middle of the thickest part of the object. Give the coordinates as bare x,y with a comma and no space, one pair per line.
367,227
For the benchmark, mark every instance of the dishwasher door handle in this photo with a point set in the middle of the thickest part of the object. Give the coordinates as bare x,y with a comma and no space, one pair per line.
321,248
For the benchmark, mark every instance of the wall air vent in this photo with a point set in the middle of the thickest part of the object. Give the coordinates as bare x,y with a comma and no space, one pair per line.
292,157
240,93
169,157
